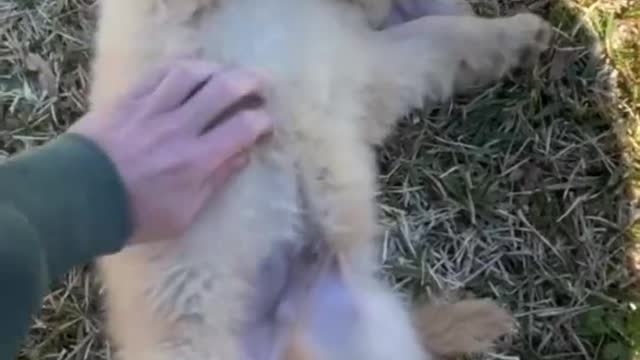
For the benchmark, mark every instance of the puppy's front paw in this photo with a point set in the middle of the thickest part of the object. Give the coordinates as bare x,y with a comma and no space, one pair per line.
463,327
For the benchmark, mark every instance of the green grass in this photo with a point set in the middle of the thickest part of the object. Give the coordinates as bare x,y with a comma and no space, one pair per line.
522,192
518,193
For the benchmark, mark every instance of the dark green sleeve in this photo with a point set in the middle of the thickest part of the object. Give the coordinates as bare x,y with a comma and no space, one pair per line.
61,205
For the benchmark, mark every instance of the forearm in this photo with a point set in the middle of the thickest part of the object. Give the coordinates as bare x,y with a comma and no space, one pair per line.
72,196
60,206
23,277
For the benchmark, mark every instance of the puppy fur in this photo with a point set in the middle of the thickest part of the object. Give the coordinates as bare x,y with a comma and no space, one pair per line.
338,86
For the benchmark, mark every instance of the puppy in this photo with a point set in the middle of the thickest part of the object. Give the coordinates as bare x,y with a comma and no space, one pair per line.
338,87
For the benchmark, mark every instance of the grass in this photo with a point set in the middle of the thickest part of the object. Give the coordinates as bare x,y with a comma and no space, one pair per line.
525,192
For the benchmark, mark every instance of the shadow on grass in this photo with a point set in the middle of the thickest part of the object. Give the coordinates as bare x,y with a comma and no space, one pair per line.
518,193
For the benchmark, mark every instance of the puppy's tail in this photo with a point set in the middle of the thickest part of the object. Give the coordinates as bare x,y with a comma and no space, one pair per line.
463,327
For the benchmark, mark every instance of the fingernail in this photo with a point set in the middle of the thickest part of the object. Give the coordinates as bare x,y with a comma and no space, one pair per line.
263,123
264,75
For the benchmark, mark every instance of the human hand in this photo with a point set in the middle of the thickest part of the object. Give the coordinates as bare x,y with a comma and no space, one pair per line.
168,145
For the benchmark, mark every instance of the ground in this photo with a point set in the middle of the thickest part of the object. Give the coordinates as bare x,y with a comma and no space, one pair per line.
524,192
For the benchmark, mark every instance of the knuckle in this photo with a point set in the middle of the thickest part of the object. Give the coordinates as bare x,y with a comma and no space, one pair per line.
189,74
171,131
193,71
254,123
201,65
240,83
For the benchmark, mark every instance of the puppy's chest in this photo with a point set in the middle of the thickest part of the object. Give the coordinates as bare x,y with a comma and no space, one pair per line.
303,46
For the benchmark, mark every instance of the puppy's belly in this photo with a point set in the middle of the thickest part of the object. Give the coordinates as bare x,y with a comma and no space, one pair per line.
192,293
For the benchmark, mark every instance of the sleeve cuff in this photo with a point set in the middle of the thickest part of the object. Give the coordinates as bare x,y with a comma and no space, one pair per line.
72,194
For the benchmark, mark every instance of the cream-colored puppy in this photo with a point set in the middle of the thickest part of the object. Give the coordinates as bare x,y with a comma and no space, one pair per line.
338,88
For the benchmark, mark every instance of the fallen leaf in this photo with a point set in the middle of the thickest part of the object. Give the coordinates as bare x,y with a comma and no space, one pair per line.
46,77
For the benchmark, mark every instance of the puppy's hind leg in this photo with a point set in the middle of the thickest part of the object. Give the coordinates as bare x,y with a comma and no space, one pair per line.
448,7
435,57
383,13
413,9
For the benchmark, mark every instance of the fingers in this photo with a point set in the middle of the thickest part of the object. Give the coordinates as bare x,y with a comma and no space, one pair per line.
179,84
150,82
196,95
234,136
224,94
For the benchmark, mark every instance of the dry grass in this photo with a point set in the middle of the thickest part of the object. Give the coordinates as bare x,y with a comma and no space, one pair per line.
517,193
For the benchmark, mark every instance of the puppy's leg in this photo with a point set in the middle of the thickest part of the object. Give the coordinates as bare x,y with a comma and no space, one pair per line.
375,11
350,314
382,13
443,7
464,327
435,57
339,176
